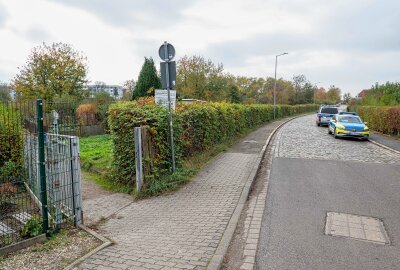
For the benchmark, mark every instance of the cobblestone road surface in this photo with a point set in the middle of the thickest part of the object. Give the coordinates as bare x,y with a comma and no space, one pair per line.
301,138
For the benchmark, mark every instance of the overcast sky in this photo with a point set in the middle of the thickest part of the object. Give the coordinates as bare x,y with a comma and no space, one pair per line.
350,44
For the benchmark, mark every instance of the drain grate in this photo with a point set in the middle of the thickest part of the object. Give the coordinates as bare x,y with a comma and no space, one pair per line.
356,227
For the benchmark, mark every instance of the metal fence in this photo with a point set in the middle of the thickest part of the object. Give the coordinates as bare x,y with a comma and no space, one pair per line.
39,170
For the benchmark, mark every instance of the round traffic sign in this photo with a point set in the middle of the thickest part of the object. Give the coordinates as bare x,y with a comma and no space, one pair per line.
166,52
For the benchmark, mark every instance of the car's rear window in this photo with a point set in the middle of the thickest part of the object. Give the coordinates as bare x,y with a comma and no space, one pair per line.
350,119
329,110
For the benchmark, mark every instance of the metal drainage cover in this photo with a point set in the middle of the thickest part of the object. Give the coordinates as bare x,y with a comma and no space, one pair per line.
356,227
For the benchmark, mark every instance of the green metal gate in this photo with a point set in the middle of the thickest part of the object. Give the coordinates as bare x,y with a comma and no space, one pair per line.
39,170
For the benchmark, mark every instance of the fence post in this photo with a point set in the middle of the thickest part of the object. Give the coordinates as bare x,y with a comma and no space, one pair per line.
138,158
75,180
42,168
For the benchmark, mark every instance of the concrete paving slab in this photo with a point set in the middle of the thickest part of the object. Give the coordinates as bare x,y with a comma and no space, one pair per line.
5,230
356,227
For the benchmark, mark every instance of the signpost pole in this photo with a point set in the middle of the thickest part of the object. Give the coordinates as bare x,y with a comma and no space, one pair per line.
171,130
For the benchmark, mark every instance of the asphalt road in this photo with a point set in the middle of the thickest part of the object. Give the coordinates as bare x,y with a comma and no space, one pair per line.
312,174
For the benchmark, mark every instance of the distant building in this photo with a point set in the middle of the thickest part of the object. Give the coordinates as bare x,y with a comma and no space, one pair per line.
362,94
13,93
115,91
7,88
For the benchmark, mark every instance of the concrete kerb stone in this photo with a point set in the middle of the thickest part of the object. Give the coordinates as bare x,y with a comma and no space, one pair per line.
23,244
218,257
105,244
384,146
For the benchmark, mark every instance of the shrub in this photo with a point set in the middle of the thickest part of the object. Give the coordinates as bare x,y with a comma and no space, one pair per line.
86,114
11,144
197,127
9,172
32,228
381,118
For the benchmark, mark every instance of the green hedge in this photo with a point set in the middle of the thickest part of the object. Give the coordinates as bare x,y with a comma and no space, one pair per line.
197,127
11,143
384,119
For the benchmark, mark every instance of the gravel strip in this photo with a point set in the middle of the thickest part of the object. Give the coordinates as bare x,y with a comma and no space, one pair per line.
61,250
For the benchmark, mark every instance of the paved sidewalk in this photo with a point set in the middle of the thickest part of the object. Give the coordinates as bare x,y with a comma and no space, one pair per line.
181,230
385,140
99,204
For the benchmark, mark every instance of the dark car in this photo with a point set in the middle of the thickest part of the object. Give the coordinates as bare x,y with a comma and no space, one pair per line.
325,114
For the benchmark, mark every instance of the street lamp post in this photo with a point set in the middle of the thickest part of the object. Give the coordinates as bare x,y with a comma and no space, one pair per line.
276,65
315,88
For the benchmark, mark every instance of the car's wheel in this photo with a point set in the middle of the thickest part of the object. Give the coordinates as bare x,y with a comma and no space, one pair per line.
329,131
335,134
319,124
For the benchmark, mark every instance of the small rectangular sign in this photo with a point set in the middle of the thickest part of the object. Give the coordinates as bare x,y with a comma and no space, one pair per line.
171,72
161,97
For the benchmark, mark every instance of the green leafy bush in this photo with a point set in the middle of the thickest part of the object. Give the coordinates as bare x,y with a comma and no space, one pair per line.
197,127
32,228
381,118
11,143
9,172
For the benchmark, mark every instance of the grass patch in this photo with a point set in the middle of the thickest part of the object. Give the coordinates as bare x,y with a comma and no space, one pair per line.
96,153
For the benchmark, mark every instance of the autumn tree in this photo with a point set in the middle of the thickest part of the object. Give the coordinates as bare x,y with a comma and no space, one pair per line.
320,96
202,79
148,80
52,71
234,94
251,88
128,88
346,97
285,93
333,94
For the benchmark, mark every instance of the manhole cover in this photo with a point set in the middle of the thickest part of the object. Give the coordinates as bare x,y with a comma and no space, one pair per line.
356,227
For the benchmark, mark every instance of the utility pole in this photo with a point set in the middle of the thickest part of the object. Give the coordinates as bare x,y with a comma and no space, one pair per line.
276,65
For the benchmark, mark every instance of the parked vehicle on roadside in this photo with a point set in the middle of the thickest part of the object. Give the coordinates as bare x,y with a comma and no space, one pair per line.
351,113
347,125
325,114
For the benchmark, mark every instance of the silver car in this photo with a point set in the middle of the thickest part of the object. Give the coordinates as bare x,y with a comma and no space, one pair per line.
325,114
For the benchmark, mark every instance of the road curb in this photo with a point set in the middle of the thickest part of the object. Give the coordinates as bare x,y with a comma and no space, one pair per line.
384,146
106,243
218,257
